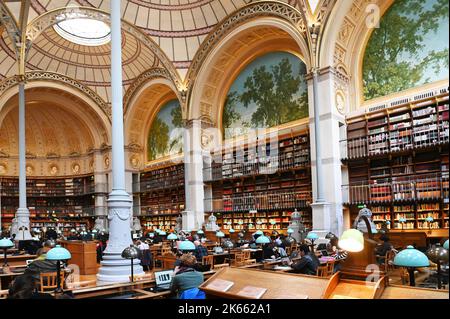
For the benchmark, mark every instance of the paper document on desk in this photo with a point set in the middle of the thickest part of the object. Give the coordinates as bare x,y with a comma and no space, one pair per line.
252,292
220,285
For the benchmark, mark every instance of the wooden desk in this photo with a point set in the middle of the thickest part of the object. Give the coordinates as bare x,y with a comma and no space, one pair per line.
279,285
19,260
404,292
84,254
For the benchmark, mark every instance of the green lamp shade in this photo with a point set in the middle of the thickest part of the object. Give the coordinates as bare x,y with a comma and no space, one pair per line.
429,219
312,235
411,257
220,234
162,233
231,230
352,240
258,232
402,220
58,253
273,222
240,222
262,240
201,232
446,244
172,236
6,243
186,245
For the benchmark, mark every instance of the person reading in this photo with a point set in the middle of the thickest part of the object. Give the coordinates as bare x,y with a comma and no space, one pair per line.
308,262
186,278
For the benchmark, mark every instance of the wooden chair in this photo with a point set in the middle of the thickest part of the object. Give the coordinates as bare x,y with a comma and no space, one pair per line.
48,281
218,266
247,258
238,259
326,270
208,260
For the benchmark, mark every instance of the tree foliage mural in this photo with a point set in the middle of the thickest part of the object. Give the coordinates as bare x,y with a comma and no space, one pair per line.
270,91
165,135
409,49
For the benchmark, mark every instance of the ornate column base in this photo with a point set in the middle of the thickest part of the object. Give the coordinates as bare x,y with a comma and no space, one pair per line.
114,268
21,225
321,213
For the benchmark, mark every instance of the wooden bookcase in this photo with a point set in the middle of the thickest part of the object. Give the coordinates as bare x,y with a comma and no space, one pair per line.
162,195
261,182
398,164
48,198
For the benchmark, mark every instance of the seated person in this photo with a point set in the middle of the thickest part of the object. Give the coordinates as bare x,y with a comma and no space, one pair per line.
336,253
185,276
308,262
25,287
383,248
270,251
73,235
48,244
41,264
200,250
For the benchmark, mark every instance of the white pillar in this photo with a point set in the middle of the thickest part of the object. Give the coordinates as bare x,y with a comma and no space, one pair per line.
114,268
194,215
325,155
22,221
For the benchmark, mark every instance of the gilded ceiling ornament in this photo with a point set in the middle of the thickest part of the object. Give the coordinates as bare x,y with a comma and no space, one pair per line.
29,169
53,169
3,168
106,162
76,168
134,161
340,101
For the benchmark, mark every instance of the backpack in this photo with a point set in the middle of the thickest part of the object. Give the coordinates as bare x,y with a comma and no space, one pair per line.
193,293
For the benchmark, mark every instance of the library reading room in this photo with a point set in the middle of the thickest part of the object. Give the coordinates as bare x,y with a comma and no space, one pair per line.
224,149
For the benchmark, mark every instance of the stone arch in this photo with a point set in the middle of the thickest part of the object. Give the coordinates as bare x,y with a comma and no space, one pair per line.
143,106
232,54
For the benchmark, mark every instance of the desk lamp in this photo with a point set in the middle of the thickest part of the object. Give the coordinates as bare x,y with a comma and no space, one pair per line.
162,233
228,244
312,237
186,246
290,231
131,253
411,258
262,240
438,255
220,235
59,254
5,243
231,230
200,233
446,244
402,220
172,237
429,220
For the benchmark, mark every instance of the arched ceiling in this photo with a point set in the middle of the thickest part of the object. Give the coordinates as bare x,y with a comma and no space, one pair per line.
56,124
177,26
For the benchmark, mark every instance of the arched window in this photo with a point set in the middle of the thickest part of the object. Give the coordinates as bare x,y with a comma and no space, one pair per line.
270,91
409,49
166,136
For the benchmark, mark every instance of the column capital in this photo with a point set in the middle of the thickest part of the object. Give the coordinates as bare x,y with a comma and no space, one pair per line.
337,71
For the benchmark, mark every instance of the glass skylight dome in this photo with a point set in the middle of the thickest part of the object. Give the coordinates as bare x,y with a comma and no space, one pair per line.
84,31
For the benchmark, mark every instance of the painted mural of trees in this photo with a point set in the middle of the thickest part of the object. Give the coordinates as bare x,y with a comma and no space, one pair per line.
164,137
158,138
277,94
394,59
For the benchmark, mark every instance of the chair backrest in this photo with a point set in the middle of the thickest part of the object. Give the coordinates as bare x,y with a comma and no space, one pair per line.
330,267
208,260
247,254
193,293
48,280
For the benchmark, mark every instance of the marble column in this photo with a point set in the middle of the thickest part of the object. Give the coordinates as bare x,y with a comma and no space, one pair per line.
325,153
194,214
114,268
21,225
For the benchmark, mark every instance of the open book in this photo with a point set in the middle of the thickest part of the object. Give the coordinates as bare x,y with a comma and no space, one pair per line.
252,292
220,285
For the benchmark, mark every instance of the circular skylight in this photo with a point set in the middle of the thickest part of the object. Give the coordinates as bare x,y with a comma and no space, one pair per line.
84,31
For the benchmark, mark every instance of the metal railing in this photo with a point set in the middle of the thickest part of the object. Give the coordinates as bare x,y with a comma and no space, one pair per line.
284,200
405,188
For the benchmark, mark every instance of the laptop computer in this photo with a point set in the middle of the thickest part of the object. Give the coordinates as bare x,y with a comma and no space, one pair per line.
163,280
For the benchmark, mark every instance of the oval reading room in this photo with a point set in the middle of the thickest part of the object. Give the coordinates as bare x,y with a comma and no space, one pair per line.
237,149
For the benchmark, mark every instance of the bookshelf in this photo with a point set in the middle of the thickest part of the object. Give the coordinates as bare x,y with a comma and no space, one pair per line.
259,184
162,195
49,198
397,160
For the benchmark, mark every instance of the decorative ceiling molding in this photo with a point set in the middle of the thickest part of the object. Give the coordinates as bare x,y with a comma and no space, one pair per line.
252,10
50,76
148,75
7,19
42,22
